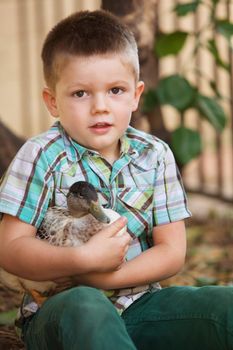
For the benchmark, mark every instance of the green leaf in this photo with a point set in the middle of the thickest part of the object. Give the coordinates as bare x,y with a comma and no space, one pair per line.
150,100
170,44
211,110
186,144
212,47
225,28
214,87
184,9
8,317
206,281
176,91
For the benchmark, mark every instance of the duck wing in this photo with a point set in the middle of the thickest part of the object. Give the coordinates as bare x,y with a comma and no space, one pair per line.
59,228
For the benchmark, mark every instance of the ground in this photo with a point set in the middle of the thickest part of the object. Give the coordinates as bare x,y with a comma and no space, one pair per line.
209,254
9,302
209,259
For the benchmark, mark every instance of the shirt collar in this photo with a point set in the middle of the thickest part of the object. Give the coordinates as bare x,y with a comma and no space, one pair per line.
73,149
132,144
136,142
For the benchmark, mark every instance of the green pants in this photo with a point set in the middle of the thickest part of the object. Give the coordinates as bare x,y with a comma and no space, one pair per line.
184,318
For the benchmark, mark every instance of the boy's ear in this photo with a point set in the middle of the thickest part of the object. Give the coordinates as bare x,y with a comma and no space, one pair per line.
138,92
50,101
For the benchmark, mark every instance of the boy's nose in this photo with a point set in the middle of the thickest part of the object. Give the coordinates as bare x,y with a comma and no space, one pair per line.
99,104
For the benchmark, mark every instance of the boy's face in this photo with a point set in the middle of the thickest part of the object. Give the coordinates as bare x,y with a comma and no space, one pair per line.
94,99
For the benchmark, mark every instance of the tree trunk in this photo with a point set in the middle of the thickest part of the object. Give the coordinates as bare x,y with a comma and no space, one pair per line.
9,145
141,17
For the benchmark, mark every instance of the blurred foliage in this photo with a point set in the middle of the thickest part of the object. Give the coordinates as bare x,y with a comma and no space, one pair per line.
209,255
8,317
177,91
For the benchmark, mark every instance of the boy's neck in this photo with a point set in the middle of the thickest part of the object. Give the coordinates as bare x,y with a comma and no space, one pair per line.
111,157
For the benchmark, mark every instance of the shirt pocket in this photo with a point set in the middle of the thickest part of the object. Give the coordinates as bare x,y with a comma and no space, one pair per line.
137,206
136,198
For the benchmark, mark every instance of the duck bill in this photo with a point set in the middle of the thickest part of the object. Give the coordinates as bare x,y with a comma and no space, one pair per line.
98,213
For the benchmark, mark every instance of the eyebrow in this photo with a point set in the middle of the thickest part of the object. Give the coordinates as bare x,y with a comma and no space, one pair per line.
83,85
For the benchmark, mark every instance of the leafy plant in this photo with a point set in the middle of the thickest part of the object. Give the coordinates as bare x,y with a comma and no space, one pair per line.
177,91
8,317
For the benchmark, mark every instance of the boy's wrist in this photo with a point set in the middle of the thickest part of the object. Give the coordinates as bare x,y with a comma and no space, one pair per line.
86,259
84,262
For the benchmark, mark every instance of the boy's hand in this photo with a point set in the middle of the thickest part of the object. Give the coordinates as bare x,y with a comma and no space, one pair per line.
106,250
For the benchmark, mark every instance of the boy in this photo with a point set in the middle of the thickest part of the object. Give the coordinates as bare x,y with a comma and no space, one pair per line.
92,75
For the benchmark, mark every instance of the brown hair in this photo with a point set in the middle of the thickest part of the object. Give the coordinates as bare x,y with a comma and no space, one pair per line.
87,33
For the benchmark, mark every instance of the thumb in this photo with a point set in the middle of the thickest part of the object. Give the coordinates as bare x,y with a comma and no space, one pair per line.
115,226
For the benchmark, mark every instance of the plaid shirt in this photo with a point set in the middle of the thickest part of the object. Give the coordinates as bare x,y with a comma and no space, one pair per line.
143,184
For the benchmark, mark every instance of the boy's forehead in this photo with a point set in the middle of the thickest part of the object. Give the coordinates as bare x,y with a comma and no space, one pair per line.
62,61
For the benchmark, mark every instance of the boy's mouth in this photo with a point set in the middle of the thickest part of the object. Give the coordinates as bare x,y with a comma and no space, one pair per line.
101,127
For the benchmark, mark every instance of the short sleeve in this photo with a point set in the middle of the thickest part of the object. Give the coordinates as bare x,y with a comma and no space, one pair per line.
25,188
170,201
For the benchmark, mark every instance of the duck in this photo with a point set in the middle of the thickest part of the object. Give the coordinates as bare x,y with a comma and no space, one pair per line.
69,226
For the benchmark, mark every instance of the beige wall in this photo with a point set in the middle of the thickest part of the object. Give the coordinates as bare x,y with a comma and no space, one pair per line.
23,26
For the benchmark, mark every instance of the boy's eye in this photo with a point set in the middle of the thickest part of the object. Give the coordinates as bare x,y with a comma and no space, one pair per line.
79,93
116,90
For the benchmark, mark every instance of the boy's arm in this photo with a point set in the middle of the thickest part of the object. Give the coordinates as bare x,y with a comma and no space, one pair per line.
24,255
161,261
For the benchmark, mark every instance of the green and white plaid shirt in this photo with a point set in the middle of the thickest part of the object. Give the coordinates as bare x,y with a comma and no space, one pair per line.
143,184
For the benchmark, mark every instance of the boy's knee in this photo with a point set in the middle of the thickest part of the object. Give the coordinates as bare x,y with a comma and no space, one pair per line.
215,302
76,316
85,303
217,296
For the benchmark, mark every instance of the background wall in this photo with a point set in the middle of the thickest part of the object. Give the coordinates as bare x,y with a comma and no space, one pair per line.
23,26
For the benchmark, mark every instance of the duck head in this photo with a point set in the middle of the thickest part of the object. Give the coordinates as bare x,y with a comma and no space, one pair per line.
82,199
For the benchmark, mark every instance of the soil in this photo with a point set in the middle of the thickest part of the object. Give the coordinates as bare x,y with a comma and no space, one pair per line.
209,254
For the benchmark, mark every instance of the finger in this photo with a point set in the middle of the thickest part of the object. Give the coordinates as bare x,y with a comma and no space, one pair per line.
115,227
126,249
121,264
126,238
